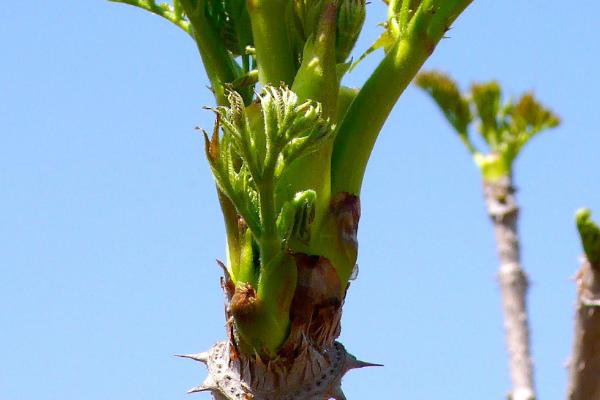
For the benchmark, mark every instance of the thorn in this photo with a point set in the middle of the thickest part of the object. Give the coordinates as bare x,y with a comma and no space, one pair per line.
353,363
197,389
222,265
338,394
201,357
208,384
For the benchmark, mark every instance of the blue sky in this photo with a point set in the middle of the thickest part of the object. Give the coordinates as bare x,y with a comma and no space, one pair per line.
109,226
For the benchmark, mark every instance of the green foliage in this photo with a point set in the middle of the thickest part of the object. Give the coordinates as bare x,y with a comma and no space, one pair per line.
276,164
250,157
590,236
447,96
505,128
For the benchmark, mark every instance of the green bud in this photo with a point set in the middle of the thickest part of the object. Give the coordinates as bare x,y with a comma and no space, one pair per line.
590,236
296,216
303,19
258,145
350,19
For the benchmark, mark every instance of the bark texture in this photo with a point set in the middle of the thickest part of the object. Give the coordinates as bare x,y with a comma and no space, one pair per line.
313,375
584,376
503,210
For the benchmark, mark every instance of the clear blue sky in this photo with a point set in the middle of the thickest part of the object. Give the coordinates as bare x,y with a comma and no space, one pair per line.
109,225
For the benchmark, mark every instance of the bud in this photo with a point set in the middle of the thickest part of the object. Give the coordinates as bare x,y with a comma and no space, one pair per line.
350,19
303,20
590,236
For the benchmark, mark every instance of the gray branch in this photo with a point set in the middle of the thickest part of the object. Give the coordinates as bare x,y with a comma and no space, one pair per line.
584,368
503,210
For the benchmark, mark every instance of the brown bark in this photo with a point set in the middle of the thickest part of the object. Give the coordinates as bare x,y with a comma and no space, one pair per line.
310,364
503,210
584,374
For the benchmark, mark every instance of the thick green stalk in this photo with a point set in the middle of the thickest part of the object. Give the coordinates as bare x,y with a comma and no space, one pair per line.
276,288
232,232
273,50
367,114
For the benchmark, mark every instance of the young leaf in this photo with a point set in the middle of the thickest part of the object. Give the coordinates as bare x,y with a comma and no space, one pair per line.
445,93
590,236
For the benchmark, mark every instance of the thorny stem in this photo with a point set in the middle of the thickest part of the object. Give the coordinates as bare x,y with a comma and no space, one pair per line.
584,367
503,211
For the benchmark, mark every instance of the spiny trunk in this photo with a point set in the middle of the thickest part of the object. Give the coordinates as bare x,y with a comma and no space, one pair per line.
313,375
503,210
584,376
310,364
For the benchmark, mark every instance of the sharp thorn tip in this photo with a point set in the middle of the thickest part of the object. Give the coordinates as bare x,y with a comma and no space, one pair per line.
200,357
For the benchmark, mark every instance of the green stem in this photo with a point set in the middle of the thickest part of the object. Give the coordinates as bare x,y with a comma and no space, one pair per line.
368,112
170,15
273,51
217,61
232,232
269,242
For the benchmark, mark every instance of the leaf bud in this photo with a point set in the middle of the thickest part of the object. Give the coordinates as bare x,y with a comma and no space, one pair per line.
350,19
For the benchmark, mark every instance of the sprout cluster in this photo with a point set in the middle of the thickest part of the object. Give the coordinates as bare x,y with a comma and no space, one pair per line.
505,127
257,144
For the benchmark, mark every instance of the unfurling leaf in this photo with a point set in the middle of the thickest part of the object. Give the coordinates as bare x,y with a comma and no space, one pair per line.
528,115
505,128
350,19
258,143
445,93
486,98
